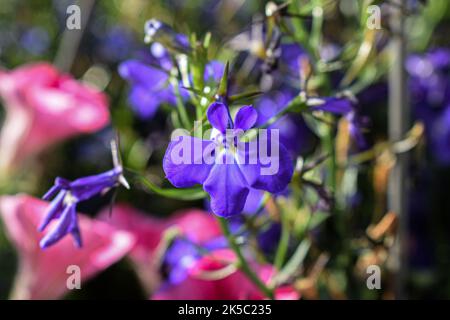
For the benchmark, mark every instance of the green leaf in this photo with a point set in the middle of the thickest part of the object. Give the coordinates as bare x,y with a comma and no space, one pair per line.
244,96
173,193
223,87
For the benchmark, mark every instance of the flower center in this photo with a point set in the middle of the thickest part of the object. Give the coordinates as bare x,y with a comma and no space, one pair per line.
70,199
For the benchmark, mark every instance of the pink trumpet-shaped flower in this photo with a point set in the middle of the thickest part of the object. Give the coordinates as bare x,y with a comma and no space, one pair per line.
44,274
199,226
43,107
231,286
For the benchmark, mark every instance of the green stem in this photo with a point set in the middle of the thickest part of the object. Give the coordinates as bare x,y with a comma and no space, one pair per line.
280,255
332,165
316,32
242,263
182,109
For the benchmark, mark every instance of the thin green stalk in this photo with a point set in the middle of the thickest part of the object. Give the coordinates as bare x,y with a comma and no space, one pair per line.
315,38
242,263
332,165
182,109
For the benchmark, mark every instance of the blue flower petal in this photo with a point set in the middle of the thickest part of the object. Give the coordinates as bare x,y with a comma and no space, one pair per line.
271,172
218,116
139,73
254,201
338,106
74,229
143,101
54,210
51,193
185,170
228,189
61,229
214,71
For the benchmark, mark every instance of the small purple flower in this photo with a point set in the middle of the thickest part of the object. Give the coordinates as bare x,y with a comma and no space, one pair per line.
291,55
184,253
151,86
179,258
227,168
116,44
66,195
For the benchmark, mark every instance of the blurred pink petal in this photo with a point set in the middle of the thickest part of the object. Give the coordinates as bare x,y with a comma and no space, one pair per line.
146,229
42,273
198,225
235,286
43,107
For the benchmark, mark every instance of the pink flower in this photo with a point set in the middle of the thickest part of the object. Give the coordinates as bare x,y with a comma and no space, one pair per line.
198,225
43,107
231,286
42,274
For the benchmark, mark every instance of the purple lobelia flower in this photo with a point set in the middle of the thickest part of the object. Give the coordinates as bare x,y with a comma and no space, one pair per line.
183,253
150,87
179,257
67,194
154,84
227,167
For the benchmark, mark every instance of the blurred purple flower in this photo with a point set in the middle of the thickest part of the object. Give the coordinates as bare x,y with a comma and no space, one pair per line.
184,253
230,175
269,237
66,195
150,87
291,54
345,107
116,44
35,40
150,82
430,96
